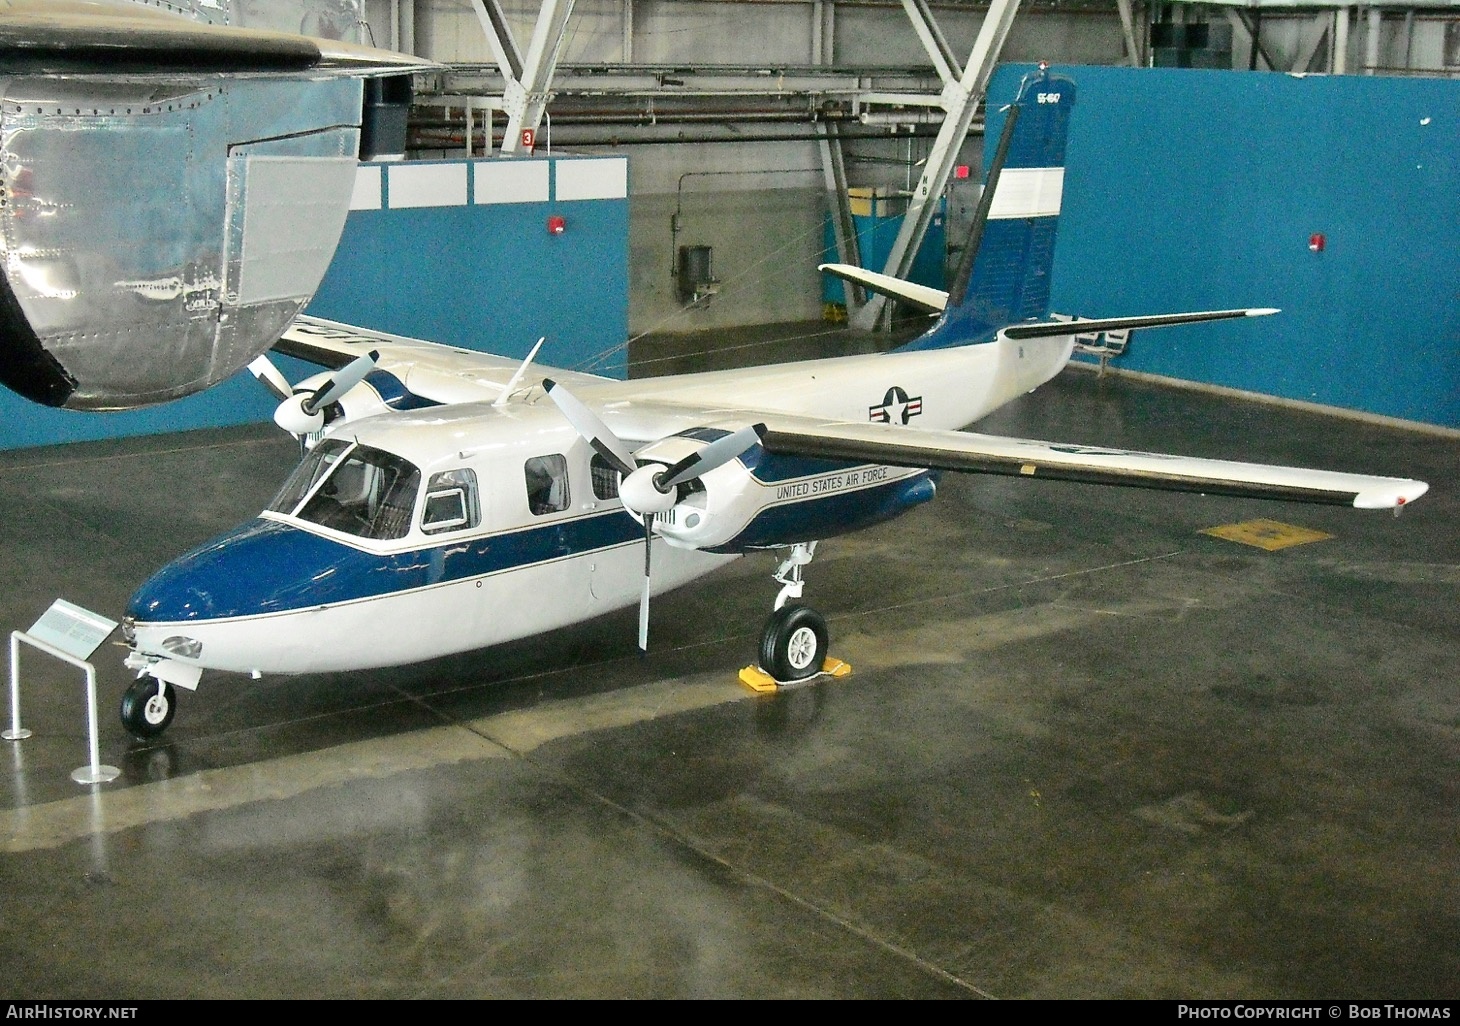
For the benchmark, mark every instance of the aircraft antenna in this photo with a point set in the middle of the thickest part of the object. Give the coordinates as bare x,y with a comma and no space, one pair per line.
501,399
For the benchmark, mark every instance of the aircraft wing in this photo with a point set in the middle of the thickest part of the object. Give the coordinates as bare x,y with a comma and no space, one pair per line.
896,445
333,345
429,370
448,374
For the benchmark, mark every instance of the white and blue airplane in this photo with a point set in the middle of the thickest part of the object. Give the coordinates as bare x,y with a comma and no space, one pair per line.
450,501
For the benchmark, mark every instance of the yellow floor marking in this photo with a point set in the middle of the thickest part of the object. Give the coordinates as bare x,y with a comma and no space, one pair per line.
1266,534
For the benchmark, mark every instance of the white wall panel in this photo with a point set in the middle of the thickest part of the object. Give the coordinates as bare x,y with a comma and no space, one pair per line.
366,194
883,35
602,178
426,185
510,181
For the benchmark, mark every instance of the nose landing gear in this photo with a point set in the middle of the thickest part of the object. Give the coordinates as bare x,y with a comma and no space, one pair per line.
148,707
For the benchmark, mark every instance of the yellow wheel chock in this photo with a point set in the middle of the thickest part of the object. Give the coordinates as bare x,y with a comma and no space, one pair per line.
761,682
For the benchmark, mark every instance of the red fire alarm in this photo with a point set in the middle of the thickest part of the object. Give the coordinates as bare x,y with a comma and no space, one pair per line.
960,171
1316,242
557,224
529,139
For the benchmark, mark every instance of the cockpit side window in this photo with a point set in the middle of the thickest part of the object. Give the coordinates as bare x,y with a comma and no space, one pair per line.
361,491
319,462
451,502
547,484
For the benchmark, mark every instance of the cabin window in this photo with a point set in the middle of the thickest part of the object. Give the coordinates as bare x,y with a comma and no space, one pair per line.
358,490
451,502
547,484
605,478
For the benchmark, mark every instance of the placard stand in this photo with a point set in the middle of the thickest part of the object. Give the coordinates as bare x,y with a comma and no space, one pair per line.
70,634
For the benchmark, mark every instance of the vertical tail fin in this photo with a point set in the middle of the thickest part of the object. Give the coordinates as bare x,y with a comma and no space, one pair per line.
1005,274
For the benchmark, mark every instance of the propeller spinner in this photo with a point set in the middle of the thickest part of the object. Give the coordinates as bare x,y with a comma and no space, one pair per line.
303,412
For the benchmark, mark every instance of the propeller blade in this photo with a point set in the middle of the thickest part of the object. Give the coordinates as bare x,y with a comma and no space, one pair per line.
348,377
271,378
716,454
594,431
644,595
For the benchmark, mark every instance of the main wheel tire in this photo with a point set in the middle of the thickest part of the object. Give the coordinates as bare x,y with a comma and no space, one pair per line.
148,706
793,644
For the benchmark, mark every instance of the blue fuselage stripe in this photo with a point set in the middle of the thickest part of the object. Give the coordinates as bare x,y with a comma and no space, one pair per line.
266,566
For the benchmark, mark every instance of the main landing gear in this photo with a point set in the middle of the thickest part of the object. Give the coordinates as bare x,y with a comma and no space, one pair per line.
793,643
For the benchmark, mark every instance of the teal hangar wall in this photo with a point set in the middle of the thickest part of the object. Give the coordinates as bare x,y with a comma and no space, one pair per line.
461,252
465,252
1193,189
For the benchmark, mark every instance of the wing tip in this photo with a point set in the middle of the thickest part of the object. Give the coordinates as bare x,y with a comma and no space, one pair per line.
1390,495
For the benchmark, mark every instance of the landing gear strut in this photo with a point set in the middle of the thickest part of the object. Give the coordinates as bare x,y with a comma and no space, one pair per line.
788,574
793,644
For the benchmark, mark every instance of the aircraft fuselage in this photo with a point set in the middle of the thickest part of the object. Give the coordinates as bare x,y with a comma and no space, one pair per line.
295,590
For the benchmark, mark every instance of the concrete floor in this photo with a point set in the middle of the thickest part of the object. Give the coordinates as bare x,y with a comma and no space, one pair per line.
1087,751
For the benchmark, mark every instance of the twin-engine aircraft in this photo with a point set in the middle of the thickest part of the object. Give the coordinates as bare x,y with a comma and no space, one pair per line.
450,501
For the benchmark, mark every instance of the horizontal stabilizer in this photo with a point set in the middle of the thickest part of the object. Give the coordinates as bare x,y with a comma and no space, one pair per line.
1092,326
921,296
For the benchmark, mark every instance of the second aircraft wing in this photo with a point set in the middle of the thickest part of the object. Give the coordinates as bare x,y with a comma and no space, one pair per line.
896,445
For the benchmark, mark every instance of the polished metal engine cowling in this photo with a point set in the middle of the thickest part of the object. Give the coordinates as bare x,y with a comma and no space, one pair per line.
156,235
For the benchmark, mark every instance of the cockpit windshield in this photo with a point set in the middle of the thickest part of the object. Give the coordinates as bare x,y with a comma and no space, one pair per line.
362,491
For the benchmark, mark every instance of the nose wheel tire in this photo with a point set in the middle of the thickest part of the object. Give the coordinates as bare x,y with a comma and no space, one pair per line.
148,707
793,644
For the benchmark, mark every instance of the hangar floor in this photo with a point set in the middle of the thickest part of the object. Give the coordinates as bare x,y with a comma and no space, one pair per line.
1087,751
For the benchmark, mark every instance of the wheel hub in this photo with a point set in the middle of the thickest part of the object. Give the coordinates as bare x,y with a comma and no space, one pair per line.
802,647
155,710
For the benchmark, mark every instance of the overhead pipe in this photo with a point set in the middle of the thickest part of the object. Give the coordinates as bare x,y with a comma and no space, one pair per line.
921,117
649,119
455,140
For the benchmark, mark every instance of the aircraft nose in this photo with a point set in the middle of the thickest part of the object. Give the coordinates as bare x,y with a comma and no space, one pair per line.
259,567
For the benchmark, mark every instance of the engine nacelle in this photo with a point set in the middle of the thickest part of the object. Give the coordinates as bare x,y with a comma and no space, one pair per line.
763,501
379,392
